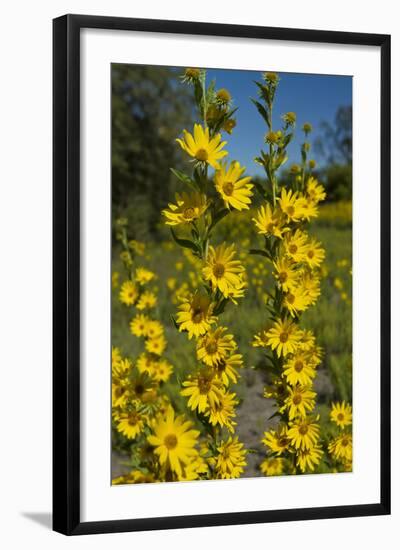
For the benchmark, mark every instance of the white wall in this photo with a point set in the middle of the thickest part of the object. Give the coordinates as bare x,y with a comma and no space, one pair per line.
25,270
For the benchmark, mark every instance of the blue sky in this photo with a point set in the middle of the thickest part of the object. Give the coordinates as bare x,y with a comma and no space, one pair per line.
314,98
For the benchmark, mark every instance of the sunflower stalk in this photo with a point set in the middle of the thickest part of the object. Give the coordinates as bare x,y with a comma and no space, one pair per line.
208,388
294,444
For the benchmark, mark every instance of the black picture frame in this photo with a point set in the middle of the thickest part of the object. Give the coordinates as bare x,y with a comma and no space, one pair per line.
66,273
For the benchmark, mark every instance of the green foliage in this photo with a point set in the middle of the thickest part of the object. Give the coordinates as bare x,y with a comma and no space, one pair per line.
337,180
149,109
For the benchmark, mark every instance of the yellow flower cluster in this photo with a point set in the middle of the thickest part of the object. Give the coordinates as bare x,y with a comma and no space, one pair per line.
341,446
295,258
183,422
165,443
220,278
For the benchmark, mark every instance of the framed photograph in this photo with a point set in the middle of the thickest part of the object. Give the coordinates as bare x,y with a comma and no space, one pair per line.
221,274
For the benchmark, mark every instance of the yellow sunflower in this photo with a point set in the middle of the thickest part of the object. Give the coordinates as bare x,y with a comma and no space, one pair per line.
270,222
285,273
307,341
296,301
161,370
188,208
260,339
315,254
119,393
130,424
201,147
203,390
308,209
156,345
154,329
299,369
195,315
231,459
222,412
272,466
121,369
315,190
300,400
291,205
342,447
277,440
238,291
143,275
222,270
310,286
304,433
173,441
129,293
225,369
295,245
145,362
308,459
142,389
138,325
196,469
341,414
215,346
147,300
234,190
284,337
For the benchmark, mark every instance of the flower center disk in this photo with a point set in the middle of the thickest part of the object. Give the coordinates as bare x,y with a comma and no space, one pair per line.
228,188
188,213
218,270
202,155
171,441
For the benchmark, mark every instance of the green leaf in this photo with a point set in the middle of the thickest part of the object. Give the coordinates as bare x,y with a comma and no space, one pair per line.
185,243
207,288
232,112
218,217
259,252
211,91
287,139
280,160
263,112
221,306
259,188
198,93
184,178
264,91
276,413
198,180
174,322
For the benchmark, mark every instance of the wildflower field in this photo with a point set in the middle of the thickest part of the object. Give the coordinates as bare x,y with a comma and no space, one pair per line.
232,322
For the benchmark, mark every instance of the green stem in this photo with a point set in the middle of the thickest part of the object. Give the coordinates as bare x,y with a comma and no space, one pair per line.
204,102
271,156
